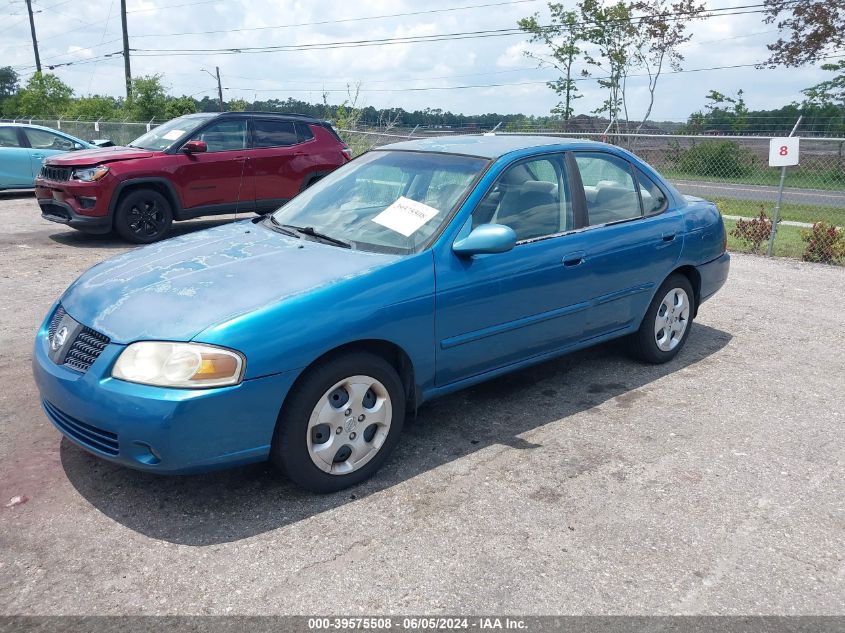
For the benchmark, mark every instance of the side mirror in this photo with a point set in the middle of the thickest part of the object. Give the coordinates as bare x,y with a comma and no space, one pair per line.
195,147
486,238
77,146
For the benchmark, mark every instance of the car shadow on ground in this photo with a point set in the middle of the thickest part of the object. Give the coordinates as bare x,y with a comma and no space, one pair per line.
225,506
79,239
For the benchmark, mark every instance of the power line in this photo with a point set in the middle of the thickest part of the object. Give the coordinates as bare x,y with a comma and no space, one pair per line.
502,85
440,37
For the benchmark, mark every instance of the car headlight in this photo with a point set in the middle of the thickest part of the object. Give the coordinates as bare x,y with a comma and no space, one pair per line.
90,174
190,365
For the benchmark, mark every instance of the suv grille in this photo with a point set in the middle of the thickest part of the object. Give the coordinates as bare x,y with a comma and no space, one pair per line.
84,349
59,174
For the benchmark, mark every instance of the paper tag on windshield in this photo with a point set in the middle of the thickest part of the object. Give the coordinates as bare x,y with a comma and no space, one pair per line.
172,135
405,216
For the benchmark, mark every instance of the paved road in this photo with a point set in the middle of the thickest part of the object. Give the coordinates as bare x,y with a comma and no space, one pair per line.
761,192
592,484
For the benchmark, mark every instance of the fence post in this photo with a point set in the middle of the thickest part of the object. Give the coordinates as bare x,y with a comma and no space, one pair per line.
776,213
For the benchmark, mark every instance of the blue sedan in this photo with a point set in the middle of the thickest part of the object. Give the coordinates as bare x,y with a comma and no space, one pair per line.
23,149
305,336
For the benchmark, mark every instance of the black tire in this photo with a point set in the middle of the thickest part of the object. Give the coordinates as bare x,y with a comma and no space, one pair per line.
143,216
290,451
644,342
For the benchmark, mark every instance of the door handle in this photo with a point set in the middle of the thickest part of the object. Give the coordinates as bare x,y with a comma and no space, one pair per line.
668,237
39,156
574,259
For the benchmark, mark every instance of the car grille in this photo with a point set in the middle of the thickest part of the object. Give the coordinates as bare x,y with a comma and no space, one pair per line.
84,349
59,174
86,434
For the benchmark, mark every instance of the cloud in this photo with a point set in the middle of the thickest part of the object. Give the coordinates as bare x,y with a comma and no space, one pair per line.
386,73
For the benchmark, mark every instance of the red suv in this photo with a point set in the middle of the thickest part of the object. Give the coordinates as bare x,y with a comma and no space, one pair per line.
198,164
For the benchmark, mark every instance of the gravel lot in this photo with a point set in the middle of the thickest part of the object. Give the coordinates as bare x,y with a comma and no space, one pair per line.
591,484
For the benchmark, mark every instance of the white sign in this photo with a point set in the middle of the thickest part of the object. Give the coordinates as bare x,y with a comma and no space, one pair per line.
783,151
405,216
172,135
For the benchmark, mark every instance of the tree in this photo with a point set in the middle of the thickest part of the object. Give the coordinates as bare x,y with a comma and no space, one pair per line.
237,105
614,37
177,106
661,36
149,98
725,109
562,37
830,92
44,95
94,108
814,29
8,82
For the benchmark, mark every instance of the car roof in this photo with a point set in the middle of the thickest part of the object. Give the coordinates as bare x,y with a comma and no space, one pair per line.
486,146
32,125
281,115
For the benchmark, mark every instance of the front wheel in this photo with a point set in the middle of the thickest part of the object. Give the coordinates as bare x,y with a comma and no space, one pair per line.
667,322
143,216
340,423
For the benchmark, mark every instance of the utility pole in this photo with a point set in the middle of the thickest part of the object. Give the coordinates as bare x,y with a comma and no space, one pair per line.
219,87
126,69
34,40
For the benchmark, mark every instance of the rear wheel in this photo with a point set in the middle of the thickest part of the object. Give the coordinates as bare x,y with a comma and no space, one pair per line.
667,323
340,422
143,216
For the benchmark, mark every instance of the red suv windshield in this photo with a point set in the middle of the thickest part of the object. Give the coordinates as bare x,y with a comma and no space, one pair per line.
165,135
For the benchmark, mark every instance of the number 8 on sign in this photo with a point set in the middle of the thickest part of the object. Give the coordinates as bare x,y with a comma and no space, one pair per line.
783,152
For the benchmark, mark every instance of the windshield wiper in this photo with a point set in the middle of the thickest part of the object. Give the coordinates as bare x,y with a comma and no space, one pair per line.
281,228
310,232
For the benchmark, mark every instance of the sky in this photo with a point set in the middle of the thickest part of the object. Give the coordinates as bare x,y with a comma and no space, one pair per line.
407,75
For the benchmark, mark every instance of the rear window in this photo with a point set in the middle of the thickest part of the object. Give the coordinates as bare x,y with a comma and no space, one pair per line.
269,133
303,132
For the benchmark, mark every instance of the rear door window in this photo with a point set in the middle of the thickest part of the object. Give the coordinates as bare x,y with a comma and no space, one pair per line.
654,200
270,133
609,189
303,132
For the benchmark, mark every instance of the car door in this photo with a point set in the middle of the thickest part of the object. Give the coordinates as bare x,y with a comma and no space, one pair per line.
212,181
279,160
629,248
15,167
497,309
44,143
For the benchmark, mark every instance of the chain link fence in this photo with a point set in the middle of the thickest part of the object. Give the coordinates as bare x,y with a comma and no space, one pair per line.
732,171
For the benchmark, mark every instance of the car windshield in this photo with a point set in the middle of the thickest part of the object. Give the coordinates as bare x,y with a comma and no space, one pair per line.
164,135
384,201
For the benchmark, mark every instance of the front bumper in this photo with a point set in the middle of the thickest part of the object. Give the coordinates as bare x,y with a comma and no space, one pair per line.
158,429
81,205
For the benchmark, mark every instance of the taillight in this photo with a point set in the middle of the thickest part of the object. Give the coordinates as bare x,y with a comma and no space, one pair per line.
347,153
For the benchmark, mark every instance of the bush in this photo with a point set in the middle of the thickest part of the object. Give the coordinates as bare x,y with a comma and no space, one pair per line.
717,158
754,232
825,243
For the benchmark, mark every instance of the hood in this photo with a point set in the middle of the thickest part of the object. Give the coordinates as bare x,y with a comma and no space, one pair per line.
175,289
98,156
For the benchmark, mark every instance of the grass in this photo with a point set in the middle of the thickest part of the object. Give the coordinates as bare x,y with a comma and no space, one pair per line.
788,242
789,211
827,179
